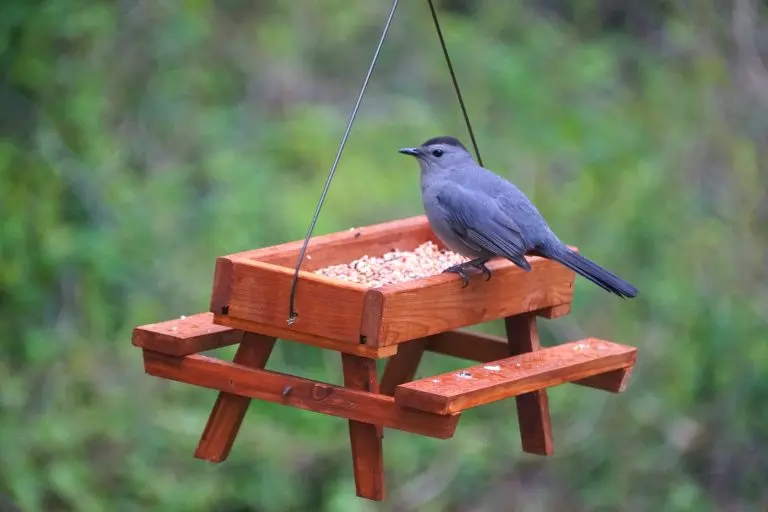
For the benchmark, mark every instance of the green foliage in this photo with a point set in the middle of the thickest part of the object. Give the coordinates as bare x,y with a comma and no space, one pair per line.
140,140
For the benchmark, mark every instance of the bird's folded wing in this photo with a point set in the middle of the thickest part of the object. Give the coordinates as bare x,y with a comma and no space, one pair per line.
479,221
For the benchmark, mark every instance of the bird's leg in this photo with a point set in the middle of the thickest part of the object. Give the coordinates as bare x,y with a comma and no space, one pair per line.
478,263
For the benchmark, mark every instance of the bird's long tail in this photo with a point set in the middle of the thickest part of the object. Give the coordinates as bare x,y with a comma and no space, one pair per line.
591,270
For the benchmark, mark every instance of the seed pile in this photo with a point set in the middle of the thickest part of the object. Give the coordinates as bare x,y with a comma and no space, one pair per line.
396,266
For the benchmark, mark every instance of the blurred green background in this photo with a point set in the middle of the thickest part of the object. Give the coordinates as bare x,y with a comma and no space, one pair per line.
139,140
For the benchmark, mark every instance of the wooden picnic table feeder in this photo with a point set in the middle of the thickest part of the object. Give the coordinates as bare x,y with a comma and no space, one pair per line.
400,322
255,292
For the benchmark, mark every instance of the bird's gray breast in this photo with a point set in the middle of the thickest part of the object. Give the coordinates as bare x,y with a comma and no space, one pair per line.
440,222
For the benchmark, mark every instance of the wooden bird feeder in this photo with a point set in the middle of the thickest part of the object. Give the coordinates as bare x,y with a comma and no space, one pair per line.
249,307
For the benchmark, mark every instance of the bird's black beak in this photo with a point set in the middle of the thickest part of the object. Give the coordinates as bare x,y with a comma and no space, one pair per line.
410,151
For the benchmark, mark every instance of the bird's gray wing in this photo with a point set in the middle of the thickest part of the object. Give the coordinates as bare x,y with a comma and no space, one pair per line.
478,221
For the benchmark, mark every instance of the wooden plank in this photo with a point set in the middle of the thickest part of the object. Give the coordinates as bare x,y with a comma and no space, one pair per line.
184,336
298,392
532,408
365,438
614,382
402,367
229,410
485,348
419,308
555,311
451,392
347,245
466,344
370,325
222,286
284,333
351,244
330,308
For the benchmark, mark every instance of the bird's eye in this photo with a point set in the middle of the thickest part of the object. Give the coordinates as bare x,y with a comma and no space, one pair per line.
438,153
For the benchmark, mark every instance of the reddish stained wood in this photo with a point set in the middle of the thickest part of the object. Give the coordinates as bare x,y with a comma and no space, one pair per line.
535,423
200,370
284,333
451,393
222,286
614,382
466,344
326,307
350,244
532,408
365,438
184,336
554,311
370,326
438,303
485,348
402,367
229,410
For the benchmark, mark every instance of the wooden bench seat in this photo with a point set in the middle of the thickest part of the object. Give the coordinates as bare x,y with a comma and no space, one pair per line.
456,391
185,336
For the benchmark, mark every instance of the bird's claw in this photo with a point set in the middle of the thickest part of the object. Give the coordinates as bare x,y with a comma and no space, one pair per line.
481,266
459,269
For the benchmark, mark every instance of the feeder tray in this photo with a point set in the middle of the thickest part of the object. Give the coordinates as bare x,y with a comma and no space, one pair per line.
249,307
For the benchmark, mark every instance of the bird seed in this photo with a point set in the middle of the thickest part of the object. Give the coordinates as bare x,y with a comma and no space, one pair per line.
396,266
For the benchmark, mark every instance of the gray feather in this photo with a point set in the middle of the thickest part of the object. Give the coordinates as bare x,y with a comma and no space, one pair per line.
480,223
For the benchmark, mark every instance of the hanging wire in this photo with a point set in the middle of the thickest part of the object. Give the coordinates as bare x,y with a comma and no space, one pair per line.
455,82
292,312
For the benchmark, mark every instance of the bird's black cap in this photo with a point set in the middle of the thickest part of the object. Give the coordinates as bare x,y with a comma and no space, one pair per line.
445,139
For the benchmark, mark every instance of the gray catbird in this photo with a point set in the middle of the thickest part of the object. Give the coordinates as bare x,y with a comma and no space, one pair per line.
481,215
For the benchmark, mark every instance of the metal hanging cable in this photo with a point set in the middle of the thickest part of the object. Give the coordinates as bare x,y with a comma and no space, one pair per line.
455,82
292,311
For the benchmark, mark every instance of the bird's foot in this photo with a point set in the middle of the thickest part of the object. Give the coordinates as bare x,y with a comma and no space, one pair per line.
478,263
459,269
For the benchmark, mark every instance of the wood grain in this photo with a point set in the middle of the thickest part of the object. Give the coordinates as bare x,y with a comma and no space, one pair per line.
373,308
614,382
184,336
326,307
451,393
345,246
222,286
555,311
438,303
470,345
402,367
200,370
365,438
485,348
285,333
229,410
532,408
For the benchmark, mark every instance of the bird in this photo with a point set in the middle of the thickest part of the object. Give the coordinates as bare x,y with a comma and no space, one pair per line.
481,215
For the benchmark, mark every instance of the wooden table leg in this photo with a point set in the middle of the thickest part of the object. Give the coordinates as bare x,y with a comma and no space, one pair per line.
365,438
401,367
229,410
532,408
